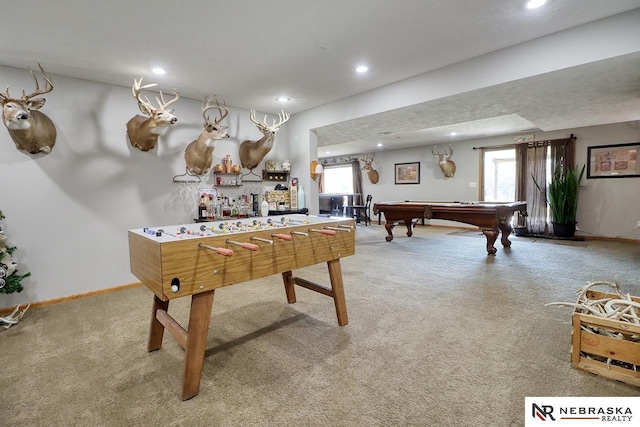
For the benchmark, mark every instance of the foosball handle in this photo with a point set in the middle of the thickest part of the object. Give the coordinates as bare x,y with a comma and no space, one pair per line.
249,246
282,236
220,251
224,251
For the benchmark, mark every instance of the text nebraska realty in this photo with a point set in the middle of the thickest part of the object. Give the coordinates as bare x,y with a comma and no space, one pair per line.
606,413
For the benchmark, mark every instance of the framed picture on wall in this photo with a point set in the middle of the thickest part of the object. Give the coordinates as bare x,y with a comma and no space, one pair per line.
408,173
613,161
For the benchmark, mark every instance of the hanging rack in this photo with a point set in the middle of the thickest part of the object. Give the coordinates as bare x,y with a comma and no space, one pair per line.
186,177
251,172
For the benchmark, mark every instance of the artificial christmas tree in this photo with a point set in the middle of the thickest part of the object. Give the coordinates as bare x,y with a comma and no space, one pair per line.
9,277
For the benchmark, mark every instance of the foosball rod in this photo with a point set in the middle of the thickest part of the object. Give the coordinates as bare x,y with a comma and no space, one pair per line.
243,245
260,239
221,251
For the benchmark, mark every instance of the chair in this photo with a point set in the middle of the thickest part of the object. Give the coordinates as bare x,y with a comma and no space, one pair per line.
363,211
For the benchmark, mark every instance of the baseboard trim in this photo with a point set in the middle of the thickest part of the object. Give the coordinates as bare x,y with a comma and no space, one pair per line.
610,239
8,310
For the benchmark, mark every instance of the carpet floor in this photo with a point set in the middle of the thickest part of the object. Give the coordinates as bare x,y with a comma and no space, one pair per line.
439,334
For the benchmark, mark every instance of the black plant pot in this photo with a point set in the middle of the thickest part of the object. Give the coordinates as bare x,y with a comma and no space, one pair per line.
564,230
520,231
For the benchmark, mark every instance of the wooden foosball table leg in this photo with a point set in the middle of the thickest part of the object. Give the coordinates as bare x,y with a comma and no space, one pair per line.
289,286
335,275
199,317
156,329
336,291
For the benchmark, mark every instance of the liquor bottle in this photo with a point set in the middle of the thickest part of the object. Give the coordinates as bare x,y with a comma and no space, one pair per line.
234,208
202,208
255,204
264,207
301,198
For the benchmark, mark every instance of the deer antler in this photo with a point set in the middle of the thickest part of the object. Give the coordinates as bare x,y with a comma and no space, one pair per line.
368,158
445,154
282,119
206,105
164,105
5,95
48,87
136,90
252,117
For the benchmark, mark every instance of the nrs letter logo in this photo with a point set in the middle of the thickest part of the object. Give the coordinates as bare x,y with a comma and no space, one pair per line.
542,412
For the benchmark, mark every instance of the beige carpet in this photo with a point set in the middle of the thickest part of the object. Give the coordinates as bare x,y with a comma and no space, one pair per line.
439,334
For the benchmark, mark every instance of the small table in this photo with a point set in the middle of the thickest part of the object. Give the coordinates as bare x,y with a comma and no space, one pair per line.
490,217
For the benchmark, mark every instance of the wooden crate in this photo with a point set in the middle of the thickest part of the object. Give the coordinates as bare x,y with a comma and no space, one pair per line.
590,351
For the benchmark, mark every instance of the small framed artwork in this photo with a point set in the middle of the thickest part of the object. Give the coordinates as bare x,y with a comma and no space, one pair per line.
408,173
613,161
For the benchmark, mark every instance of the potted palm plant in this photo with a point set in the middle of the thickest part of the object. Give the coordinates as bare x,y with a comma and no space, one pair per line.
563,199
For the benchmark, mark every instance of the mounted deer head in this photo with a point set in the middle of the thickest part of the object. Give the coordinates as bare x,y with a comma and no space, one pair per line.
143,132
252,152
199,154
368,168
448,167
30,129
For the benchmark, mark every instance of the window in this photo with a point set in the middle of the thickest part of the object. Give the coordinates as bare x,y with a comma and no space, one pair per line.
499,175
338,179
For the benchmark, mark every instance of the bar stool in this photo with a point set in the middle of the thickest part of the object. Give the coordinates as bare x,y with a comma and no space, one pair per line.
363,211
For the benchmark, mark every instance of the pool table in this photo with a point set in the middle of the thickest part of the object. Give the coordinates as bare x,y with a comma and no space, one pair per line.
490,217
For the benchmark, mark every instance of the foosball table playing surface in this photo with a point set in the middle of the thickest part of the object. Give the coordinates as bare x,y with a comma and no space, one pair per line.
195,259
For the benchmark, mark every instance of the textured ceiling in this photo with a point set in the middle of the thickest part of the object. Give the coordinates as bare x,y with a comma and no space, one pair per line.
596,93
250,51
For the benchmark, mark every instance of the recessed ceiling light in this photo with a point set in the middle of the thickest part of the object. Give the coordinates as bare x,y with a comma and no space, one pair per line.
362,69
532,4
283,99
327,152
158,70
453,133
379,144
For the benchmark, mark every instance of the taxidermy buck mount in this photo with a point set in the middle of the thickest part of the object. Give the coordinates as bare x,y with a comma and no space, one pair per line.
199,154
143,132
30,129
368,168
448,167
252,152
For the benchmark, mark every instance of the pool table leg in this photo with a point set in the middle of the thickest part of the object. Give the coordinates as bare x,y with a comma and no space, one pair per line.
491,236
389,227
506,231
409,222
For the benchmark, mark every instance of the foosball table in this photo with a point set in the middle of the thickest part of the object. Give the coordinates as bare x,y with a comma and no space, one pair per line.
195,259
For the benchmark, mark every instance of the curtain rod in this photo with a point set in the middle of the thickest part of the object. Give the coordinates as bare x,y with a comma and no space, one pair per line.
529,142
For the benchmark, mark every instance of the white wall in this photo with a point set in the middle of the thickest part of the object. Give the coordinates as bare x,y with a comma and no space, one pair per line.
607,207
68,212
